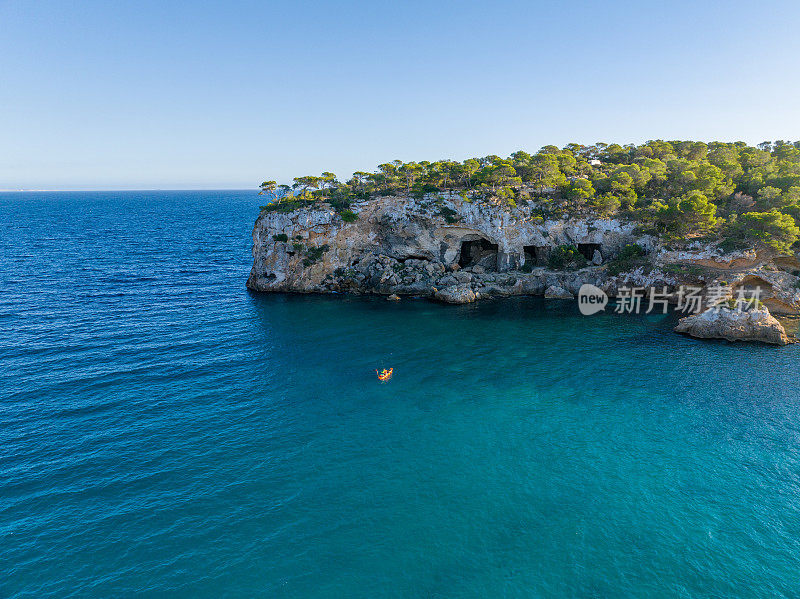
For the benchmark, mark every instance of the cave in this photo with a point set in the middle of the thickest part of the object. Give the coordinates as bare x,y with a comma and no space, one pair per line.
588,250
478,252
752,288
752,283
535,255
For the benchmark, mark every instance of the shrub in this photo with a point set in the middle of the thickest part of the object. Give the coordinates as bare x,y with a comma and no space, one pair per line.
631,257
449,214
683,269
772,228
606,204
281,237
287,205
730,244
508,195
746,305
349,216
340,199
313,254
693,213
566,257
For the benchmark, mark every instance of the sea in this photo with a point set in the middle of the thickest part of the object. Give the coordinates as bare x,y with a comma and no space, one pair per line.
164,432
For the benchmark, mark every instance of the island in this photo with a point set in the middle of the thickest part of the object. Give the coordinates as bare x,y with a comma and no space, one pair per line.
661,217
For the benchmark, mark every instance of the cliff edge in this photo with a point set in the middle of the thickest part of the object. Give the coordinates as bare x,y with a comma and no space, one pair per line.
457,251
407,246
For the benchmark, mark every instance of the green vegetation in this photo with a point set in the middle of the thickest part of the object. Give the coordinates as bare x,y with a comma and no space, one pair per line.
449,215
348,216
682,216
287,205
682,269
313,254
677,190
280,237
773,228
632,256
750,303
566,257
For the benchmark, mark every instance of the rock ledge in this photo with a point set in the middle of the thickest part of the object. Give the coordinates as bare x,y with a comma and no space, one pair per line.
456,294
734,325
556,292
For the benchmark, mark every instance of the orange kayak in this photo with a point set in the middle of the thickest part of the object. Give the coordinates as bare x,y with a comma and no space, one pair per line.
385,375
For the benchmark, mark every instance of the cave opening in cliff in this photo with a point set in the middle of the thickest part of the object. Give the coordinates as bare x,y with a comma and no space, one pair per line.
588,250
478,252
535,255
753,286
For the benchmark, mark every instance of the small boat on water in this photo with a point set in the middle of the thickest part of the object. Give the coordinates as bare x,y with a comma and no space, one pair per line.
385,375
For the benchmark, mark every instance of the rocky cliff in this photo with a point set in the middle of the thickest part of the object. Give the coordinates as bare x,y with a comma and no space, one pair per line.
457,251
407,246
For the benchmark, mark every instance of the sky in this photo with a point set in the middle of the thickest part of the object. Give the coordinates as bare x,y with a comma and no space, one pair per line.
215,95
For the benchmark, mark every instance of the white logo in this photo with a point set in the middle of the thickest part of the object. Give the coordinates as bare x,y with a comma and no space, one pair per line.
591,299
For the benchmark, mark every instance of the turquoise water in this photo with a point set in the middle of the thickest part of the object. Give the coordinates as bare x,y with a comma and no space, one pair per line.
166,433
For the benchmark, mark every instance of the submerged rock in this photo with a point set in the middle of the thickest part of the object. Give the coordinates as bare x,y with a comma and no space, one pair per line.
456,294
734,325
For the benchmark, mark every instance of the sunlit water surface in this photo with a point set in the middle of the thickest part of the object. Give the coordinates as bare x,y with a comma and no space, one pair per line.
164,432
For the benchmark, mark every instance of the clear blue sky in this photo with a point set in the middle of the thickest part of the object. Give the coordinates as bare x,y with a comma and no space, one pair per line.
168,94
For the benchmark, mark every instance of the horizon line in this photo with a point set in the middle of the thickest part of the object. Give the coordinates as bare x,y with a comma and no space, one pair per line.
254,189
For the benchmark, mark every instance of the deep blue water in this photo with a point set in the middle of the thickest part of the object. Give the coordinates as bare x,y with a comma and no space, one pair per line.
166,433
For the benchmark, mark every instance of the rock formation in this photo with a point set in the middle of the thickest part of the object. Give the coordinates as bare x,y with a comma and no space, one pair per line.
456,294
734,325
555,292
456,251
408,246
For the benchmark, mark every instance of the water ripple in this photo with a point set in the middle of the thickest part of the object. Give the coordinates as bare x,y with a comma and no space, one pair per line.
163,432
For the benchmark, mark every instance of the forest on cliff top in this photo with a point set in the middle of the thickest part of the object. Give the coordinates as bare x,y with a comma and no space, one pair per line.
743,195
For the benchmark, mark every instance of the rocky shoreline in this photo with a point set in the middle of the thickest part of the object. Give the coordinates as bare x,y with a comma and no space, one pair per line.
733,325
444,247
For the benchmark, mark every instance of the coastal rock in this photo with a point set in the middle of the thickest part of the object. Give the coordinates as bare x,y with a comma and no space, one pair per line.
456,294
734,325
404,245
555,292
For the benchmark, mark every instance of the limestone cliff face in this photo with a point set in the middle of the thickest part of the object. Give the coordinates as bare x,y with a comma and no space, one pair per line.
457,251
407,246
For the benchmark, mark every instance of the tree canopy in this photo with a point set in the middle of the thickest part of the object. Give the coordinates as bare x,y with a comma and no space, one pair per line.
677,189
